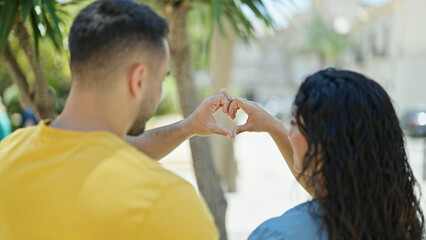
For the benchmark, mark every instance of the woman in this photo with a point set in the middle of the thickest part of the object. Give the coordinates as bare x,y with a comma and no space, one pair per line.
346,148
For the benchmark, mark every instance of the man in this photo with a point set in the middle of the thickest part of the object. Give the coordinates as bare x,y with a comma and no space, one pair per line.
75,177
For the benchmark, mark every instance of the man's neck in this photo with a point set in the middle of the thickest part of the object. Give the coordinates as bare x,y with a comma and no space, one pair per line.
88,113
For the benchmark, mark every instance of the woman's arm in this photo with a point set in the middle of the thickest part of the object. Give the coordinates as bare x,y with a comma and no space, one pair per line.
261,121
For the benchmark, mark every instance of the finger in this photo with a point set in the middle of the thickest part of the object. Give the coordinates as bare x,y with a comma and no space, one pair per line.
221,131
233,109
221,101
225,93
238,103
234,105
234,113
240,129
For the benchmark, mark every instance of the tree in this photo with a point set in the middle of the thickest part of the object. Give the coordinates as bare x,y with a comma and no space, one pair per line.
42,16
176,11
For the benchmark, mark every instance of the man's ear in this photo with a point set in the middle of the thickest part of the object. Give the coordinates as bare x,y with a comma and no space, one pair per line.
136,79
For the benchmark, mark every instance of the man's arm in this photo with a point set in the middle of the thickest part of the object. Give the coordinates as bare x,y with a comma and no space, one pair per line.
159,142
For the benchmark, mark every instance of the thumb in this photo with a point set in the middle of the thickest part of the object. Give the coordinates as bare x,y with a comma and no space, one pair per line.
221,131
240,129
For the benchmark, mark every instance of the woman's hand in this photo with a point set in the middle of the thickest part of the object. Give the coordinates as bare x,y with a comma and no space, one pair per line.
258,119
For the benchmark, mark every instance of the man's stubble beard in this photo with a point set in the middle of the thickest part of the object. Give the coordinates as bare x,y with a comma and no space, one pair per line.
146,112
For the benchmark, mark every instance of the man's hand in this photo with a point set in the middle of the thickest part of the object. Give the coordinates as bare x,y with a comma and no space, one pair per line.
258,120
201,122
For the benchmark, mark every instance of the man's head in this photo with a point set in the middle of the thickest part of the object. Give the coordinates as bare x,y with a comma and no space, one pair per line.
119,47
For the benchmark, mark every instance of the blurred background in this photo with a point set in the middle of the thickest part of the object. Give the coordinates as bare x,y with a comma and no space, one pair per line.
260,50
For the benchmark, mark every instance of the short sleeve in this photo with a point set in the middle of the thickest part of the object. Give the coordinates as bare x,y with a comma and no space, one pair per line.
179,214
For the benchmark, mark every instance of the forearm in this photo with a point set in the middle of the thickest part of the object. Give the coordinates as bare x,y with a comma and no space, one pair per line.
159,142
280,136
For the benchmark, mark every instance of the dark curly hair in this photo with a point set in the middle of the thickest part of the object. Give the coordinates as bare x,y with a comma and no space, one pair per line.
364,185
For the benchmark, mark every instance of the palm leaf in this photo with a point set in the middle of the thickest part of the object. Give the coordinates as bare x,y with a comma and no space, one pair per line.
233,11
51,9
36,31
216,7
25,8
8,15
41,14
55,38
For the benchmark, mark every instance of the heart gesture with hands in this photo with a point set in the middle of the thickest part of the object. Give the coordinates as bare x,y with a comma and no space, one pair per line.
159,142
202,120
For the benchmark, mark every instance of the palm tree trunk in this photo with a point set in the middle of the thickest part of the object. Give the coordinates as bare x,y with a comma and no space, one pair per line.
220,67
16,75
43,101
205,172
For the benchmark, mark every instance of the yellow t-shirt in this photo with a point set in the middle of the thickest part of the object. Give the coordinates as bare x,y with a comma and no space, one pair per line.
57,184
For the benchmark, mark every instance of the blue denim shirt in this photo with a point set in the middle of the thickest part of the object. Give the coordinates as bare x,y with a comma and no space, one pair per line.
296,224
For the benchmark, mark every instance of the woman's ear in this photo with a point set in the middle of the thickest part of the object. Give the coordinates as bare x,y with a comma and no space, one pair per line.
136,79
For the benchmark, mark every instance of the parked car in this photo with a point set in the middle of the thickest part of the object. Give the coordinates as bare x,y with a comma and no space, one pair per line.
414,123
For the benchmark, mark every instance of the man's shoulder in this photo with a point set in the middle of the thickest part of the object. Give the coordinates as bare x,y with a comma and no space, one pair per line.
19,135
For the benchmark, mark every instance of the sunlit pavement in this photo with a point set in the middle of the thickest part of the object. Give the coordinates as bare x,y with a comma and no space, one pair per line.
265,186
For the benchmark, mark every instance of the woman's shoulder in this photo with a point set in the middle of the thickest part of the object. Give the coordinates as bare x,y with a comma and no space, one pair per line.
300,222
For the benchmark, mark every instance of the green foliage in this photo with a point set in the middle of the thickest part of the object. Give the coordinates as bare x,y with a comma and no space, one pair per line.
40,13
5,81
54,63
8,14
11,98
233,11
45,17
